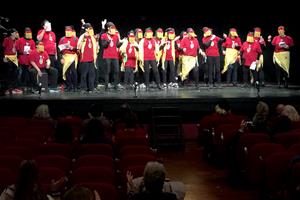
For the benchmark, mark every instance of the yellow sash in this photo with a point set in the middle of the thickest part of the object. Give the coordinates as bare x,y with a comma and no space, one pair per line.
188,63
82,41
12,58
163,59
230,58
123,51
283,60
68,60
260,62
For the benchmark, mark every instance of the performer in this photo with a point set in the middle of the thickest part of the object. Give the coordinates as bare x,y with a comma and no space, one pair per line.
129,51
232,46
178,55
281,56
48,37
110,42
139,75
11,62
168,57
147,51
212,70
159,39
88,48
24,46
259,76
40,63
251,52
68,48
190,47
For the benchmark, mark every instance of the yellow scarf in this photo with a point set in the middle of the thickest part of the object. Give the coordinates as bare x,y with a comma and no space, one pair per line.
82,42
163,59
123,51
12,58
68,60
283,60
260,62
230,58
188,63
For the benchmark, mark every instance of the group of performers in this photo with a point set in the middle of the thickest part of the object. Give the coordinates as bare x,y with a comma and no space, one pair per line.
171,58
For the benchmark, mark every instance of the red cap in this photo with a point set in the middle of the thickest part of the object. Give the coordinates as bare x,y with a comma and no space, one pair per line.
250,34
281,28
130,34
205,29
232,30
190,30
159,30
257,29
171,32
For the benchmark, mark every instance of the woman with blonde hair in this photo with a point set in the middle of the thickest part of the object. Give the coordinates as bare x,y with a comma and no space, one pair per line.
42,112
290,112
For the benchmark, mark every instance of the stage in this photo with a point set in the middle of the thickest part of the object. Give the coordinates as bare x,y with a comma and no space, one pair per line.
192,102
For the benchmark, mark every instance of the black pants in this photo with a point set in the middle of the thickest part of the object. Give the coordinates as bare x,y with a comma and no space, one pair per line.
169,66
246,71
87,75
195,72
71,77
52,76
232,73
258,75
26,77
129,76
11,75
114,64
213,69
280,75
147,64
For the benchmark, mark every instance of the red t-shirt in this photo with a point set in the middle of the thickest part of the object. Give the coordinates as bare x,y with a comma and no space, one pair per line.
49,41
169,47
149,49
232,43
88,54
131,57
250,52
9,46
111,51
212,49
73,42
260,41
279,40
39,58
24,47
191,45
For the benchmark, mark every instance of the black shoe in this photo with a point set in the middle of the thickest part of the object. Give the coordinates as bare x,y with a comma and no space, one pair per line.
159,87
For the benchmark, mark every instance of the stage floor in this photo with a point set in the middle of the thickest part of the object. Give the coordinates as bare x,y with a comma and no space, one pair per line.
190,100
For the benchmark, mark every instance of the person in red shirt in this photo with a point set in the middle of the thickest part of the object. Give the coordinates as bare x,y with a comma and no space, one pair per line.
251,52
24,46
88,48
68,48
211,44
40,63
231,48
259,76
148,49
139,75
48,37
11,62
129,50
111,42
282,44
190,48
168,57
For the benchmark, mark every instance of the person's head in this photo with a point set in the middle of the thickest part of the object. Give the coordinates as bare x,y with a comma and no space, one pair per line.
223,108
110,28
131,37
47,25
40,47
206,31
148,33
281,30
191,33
138,33
250,38
279,109
257,32
26,186
171,34
27,33
68,31
262,108
42,112
154,177
233,33
79,193
183,34
96,110
13,33
159,33
88,29
290,112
